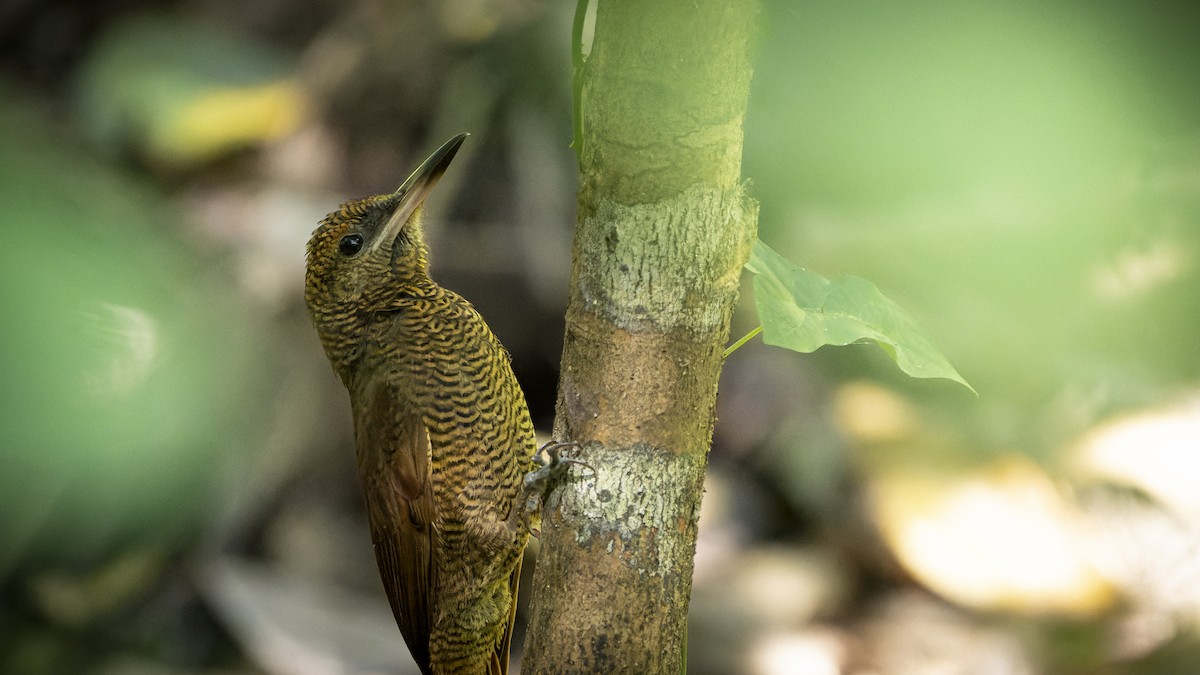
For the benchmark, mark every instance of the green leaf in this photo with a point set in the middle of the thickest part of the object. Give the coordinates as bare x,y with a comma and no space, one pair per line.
803,311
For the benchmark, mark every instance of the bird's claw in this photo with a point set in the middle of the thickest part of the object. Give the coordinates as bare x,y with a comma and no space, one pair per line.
554,468
538,482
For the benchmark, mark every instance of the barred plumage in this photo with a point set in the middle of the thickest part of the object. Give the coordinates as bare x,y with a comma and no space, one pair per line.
442,431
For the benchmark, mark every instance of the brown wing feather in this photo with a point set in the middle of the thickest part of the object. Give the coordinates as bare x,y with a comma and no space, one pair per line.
499,664
394,465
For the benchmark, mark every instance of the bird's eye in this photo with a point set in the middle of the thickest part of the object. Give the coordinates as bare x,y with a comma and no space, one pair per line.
350,244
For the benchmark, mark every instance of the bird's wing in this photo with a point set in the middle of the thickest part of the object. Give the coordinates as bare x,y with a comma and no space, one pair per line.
394,464
499,662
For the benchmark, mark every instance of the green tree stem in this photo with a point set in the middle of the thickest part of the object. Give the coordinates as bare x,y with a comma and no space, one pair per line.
664,229
745,338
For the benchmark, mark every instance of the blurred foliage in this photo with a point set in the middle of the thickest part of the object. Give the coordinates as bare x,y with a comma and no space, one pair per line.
1022,180
129,366
1007,174
182,92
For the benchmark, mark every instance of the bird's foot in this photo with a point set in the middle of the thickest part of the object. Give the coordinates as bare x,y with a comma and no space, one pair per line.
539,481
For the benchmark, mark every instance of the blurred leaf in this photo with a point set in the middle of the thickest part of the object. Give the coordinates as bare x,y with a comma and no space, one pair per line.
131,369
1152,450
803,311
76,600
1000,537
296,625
183,92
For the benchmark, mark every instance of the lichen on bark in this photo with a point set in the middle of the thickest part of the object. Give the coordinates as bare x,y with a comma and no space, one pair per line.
664,262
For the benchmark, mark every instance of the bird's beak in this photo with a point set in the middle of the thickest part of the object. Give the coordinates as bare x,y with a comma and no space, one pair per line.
417,187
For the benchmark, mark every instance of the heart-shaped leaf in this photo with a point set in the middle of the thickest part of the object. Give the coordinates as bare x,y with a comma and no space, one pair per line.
803,311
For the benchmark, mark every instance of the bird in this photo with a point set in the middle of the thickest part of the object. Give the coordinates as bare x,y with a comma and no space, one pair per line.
444,442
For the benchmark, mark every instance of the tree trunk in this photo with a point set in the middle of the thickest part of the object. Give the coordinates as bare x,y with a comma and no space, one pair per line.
664,228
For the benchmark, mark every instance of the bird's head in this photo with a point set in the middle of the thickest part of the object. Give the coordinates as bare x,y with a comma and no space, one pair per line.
369,251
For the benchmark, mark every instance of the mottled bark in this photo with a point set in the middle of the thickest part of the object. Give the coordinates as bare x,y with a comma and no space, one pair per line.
664,228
